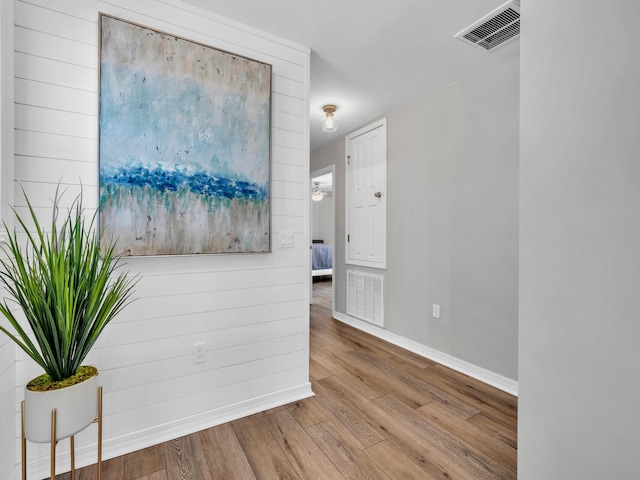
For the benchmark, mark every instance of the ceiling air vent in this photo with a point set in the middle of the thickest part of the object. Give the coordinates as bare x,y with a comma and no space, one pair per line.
496,29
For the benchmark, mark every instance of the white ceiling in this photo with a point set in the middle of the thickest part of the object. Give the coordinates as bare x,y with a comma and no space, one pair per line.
370,57
325,182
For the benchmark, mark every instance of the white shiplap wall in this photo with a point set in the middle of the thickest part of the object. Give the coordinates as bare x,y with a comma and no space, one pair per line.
251,310
7,411
8,453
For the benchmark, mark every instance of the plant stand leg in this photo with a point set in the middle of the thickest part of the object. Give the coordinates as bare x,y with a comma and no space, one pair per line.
53,444
72,452
99,419
24,443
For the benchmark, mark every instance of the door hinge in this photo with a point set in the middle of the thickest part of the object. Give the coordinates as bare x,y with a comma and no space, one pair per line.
348,237
348,159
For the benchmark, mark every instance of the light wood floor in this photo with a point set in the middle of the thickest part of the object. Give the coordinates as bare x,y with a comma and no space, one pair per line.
379,412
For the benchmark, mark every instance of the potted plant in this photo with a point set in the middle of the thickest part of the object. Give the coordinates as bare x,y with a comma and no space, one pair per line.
66,284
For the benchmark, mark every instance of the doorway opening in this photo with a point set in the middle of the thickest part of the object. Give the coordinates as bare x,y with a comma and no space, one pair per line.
322,232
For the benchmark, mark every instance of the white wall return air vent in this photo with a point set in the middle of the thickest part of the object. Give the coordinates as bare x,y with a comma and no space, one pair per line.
495,29
365,296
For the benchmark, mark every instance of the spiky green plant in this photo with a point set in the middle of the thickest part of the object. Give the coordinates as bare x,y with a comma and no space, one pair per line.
65,283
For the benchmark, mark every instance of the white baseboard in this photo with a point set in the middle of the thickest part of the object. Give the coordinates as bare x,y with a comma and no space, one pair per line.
503,383
114,447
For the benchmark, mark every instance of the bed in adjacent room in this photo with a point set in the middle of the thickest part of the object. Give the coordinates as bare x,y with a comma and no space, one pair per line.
321,259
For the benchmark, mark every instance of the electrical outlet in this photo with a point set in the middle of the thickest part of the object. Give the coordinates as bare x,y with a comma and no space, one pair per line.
436,311
199,352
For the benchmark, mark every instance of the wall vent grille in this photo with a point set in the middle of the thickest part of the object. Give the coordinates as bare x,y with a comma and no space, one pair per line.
365,297
495,29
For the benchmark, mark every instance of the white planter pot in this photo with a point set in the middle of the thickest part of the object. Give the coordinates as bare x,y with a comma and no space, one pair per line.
76,408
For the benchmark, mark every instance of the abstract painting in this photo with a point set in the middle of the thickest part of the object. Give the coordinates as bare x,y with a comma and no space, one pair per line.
184,145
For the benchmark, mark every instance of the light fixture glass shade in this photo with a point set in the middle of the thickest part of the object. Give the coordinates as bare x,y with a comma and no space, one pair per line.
330,120
317,194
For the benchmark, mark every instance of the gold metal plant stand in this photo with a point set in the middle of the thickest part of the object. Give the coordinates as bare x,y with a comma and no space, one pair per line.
98,420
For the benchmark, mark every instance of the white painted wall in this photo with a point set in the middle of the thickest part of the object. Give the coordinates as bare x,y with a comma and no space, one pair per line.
251,310
322,220
8,445
579,241
452,231
7,407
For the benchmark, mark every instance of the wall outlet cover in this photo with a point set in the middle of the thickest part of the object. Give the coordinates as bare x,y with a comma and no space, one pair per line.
199,352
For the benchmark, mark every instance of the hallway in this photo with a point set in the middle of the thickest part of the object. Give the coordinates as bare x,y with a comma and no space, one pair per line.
379,412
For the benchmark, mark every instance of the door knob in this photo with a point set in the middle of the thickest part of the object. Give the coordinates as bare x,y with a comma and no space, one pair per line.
377,194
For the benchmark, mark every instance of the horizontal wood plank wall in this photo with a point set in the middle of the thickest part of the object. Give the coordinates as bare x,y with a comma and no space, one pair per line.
8,444
251,310
7,401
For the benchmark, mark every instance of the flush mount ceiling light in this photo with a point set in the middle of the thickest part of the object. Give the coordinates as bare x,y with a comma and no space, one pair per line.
317,193
330,121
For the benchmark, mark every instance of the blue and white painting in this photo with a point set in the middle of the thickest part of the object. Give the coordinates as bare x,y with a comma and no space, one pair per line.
184,145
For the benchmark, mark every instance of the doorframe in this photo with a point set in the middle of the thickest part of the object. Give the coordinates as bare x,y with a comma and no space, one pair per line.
316,173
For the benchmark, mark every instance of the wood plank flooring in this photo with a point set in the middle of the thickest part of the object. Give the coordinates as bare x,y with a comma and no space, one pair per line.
379,412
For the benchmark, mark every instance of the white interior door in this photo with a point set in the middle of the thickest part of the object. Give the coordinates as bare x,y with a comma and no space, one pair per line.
366,196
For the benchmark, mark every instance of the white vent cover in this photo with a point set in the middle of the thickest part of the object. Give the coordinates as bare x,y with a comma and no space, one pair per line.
496,29
364,297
